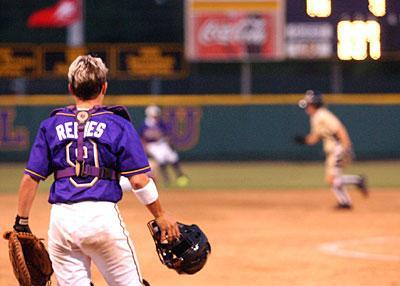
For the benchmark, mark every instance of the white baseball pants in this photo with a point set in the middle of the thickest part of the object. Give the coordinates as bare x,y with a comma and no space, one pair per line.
162,152
82,232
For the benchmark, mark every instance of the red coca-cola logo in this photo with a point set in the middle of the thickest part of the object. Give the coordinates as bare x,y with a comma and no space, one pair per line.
249,31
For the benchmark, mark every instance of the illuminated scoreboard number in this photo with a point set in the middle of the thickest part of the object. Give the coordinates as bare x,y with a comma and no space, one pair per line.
323,8
358,39
319,8
377,7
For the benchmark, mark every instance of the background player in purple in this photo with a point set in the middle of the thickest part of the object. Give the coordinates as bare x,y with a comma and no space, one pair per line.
155,135
87,147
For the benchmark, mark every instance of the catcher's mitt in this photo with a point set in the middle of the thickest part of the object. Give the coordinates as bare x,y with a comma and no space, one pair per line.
29,258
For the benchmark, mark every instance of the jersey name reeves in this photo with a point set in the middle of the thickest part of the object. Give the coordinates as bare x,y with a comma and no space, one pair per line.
69,130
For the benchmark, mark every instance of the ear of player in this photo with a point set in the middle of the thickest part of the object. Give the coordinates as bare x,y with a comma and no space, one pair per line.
188,254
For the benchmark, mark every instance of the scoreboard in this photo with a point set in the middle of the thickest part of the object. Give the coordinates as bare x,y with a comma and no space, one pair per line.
125,61
346,29
232,31
264,30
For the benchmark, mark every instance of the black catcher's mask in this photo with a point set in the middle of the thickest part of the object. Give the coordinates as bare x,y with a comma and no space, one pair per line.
188,254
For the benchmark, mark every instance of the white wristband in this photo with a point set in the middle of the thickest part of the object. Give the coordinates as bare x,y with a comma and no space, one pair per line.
148,194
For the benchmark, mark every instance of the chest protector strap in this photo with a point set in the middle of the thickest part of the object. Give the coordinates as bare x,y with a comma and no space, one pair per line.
81,169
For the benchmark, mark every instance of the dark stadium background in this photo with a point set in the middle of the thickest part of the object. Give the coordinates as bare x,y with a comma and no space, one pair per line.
162,21
260,198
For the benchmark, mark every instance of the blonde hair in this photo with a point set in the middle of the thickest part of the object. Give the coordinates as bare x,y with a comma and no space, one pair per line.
86,75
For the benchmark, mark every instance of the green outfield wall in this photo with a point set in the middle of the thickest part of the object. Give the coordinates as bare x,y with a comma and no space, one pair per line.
226,127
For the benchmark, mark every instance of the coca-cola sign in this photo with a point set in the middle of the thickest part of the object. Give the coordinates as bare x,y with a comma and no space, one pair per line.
234,31
245,31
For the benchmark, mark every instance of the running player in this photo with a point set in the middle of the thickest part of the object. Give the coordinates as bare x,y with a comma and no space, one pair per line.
88,146
155,135
337,146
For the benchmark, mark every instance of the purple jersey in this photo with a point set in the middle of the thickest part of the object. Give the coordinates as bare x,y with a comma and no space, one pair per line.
153,130
110,141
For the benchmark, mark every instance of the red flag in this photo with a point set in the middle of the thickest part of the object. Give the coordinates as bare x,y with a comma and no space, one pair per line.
62,14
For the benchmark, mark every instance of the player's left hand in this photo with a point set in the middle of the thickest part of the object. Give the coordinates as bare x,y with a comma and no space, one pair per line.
300,139
29,258
21,224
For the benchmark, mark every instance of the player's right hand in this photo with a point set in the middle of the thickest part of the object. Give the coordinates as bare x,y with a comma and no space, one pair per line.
168,227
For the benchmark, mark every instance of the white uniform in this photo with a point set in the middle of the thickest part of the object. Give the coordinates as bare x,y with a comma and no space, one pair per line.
162,152
154,134
85,224
326,125
76,234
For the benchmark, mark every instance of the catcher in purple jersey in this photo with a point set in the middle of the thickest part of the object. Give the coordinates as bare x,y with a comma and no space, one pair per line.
88,147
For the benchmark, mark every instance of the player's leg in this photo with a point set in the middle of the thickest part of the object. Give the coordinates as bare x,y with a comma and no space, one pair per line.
181,179
340,192
155,172
112,251
173,158
333,176
357,180
164,173
71,266
158,150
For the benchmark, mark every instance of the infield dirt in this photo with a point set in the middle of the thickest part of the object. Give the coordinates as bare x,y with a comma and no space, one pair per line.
258,237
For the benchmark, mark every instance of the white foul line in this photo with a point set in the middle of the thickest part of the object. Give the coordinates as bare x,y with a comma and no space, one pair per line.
338,248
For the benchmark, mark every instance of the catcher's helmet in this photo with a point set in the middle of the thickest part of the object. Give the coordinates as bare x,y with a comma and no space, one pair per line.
188,254
311,97
152,111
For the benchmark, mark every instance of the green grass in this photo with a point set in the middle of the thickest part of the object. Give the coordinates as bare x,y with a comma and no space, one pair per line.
283,175
248,175
10,177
